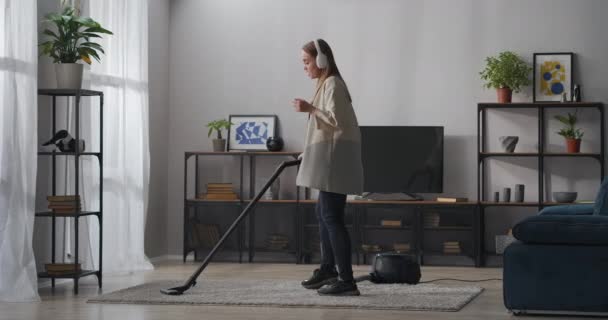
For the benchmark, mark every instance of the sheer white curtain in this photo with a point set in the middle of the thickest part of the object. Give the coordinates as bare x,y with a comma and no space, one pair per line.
122,75
18,139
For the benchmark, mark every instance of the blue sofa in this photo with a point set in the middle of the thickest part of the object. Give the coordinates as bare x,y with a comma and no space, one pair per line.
560,262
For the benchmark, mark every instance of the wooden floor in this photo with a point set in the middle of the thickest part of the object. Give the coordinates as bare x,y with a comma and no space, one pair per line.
60,303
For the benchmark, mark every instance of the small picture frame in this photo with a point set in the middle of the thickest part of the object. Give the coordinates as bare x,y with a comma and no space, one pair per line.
552,76
250,132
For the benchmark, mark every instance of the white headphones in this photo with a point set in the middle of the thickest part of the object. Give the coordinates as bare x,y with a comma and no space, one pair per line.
321,57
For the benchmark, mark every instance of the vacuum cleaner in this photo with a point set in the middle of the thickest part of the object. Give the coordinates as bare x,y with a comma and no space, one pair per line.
387,267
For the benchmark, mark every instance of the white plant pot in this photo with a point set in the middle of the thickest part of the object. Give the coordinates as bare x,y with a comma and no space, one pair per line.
69,75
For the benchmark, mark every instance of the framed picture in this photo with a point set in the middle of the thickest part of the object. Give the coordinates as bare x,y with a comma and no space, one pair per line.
552,76
250,132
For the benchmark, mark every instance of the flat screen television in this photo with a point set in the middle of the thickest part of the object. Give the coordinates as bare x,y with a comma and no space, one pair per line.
402,159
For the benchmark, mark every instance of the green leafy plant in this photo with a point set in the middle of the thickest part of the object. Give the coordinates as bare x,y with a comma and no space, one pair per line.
569,131
70,40
507,70
218,125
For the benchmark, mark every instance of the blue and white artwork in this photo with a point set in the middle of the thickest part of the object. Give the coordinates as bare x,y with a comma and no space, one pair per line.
250,132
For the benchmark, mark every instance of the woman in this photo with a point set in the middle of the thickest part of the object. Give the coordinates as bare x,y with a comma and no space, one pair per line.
331,163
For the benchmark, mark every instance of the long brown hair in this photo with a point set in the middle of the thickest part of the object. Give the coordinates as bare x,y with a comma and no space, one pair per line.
332,68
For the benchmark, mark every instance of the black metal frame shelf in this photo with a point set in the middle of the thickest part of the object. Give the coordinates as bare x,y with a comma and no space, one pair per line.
77,94
303,209
54,153
199,204
483,154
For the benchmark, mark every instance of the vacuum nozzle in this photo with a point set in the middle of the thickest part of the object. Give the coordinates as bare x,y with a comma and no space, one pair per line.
176,291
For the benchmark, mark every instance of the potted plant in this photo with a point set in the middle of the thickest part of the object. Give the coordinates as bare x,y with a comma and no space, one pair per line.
219,144
506,73
573,135
69,42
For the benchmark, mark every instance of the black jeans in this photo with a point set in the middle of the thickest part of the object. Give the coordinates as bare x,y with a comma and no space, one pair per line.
335,241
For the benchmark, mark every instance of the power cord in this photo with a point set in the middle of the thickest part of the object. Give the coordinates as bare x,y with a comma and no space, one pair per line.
463,280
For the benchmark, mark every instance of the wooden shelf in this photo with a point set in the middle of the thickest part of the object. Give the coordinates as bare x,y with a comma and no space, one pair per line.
68,92
355,202
450,228
241,153
213,200
440,253
423,202
564,154
67,215
534,105
525,204
378,227
509,204
315,225
79,274
287,251
536,154
58,153
508,154
285,201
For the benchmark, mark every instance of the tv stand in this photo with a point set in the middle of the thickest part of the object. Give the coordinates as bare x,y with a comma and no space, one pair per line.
400,196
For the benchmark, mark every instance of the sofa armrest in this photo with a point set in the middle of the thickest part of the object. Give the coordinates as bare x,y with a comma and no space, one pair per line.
569,209
563,229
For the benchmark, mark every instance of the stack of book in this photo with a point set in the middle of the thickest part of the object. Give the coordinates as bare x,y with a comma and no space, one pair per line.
401,247
371,248
431,220
452,247
207,234
57,269
390,223
219,191
452,199
276,241
64,205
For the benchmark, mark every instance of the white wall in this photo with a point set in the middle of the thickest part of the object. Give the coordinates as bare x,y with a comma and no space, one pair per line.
406,62
158,83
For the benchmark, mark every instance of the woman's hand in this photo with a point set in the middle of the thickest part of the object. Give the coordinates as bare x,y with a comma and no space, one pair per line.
302,105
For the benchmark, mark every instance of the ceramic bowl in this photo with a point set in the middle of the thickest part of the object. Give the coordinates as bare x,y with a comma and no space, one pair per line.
564,197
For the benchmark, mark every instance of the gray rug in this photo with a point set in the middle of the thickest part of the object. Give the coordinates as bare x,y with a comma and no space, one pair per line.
283,293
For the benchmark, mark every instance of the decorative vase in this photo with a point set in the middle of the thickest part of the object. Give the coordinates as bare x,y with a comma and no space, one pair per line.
219,145
573,145
508,143
69,75
519,193
274,144
504,95
506,195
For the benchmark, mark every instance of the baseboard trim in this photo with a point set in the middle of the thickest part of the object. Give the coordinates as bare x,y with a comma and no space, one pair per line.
172,257
47,282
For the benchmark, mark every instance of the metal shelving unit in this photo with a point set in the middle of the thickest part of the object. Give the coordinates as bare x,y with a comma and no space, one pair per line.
483,154
77,94
195,208
302,215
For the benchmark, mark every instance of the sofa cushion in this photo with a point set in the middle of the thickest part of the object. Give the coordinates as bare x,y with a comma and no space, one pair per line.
568,209
563,229
601,200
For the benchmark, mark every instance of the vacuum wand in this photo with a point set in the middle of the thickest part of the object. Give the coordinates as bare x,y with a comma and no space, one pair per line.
192,280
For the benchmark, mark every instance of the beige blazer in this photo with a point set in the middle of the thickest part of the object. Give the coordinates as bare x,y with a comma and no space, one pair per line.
332,152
